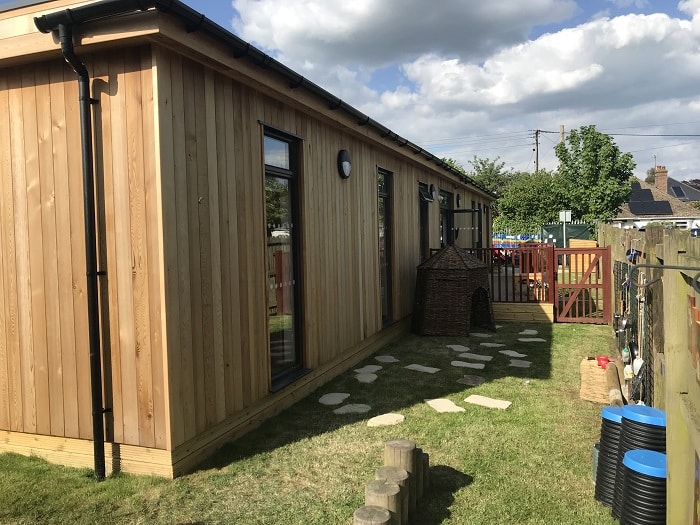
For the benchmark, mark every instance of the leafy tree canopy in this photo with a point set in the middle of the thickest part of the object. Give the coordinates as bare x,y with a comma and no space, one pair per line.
651,176
529,201
491,174
595,175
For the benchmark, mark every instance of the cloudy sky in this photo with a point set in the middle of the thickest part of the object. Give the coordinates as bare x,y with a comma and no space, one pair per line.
471,77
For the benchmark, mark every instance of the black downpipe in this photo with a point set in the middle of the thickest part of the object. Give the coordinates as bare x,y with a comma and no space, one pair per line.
65,35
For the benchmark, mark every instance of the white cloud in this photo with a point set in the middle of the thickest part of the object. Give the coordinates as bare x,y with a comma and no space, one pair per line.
468,69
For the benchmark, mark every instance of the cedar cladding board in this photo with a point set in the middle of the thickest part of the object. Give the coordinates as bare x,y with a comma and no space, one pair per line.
184,302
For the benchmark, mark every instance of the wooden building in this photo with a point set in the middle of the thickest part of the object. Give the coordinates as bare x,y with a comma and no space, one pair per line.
232,265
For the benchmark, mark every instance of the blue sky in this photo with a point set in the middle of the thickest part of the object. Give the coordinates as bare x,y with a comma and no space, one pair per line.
466,78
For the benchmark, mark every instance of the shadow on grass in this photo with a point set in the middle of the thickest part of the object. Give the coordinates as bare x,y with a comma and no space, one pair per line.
434,508
397,388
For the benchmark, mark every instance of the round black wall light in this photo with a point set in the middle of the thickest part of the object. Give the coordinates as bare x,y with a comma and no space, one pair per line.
344,164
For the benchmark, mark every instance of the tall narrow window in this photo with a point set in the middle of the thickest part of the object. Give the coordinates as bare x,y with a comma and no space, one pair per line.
281,214
385,278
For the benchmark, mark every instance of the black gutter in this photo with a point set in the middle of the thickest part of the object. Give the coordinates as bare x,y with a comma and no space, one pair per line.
195,21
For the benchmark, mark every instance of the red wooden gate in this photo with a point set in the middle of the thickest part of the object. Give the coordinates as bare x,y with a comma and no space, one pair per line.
582,287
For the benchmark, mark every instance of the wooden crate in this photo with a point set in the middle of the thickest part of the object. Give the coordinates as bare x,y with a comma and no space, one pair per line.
594,386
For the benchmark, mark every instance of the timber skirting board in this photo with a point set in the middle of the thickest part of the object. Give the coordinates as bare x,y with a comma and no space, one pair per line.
78,453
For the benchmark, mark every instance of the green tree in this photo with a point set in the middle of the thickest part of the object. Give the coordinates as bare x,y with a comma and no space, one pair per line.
529,201
651,176
595,175
491,174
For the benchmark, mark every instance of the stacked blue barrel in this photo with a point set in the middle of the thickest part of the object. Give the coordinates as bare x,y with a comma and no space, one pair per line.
644,488
608,447
642,428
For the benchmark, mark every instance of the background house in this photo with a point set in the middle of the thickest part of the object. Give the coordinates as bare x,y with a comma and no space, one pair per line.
648,204
680,190
207,319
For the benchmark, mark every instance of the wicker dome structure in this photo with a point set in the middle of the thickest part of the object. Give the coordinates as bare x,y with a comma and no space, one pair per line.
452,294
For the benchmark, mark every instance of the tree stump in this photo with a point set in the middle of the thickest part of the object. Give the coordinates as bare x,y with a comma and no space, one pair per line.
386,494
402,453
399,476
371,515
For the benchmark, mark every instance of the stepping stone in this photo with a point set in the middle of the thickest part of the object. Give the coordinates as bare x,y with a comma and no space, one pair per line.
459,348
472,380
334,398
421,368
464,364
386,359
492,345
443,405
366,378
488,402
498,326
532,340
511,353
385,420
520,364
480,334
528,332
368,369
352,409
476,357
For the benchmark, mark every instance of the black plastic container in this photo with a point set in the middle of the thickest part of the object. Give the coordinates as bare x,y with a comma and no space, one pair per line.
610,428
644,488
644,428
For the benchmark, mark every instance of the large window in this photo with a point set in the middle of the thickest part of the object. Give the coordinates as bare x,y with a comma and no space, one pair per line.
281,215
385,278
447,230
424,198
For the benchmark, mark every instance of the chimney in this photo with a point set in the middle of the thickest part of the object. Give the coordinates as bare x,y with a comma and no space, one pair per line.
661,178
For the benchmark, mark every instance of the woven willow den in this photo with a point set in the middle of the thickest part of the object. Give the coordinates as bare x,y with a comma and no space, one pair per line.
452,294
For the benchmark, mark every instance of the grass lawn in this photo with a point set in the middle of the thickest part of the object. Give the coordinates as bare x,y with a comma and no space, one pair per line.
529,464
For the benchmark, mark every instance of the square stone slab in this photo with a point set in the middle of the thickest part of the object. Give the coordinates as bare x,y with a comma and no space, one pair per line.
488,402
475,357
421,368
511,353
520,364
464,364
443,405
459,348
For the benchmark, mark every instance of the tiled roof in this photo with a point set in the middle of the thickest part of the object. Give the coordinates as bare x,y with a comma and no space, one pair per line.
678,208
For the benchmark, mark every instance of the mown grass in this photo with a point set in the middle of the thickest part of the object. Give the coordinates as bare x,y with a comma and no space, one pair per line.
528,464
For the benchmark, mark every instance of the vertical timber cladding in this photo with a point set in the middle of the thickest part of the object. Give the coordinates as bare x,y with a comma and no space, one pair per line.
211,130
44,378
42,275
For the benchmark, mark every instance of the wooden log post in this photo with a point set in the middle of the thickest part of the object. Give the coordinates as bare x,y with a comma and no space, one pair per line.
386,494
612,378
402,453
419,474
371,515
399,476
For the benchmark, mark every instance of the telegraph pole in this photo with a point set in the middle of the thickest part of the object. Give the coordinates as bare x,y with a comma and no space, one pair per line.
561,133
537,150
